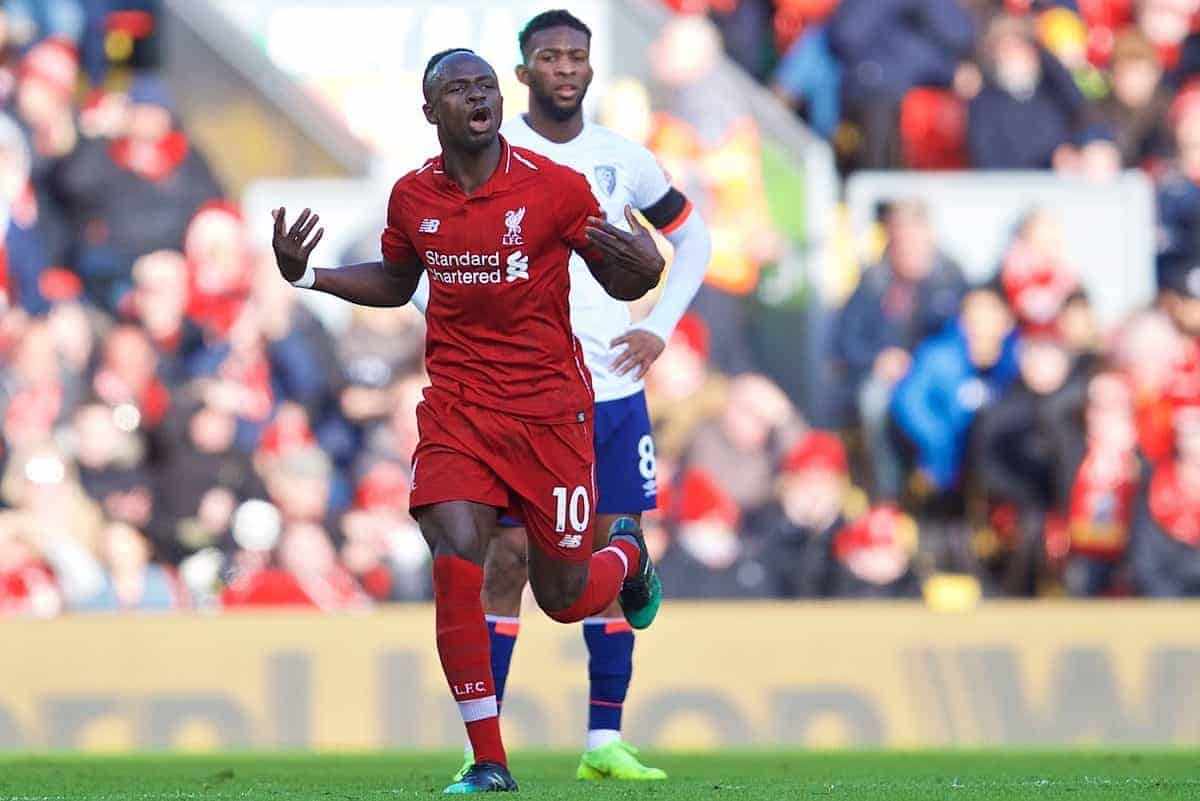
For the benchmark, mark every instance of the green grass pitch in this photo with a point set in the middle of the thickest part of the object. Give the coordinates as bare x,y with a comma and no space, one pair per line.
779,776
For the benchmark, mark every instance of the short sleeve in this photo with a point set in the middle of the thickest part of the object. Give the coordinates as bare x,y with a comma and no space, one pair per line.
577,205
396,245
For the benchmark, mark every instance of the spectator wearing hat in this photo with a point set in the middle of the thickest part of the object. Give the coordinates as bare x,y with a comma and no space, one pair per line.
1138,104
954,375
811,496
134,194
1028,107
1166,527
887,47
1106,473
909,296
1020,455
873,556
707,558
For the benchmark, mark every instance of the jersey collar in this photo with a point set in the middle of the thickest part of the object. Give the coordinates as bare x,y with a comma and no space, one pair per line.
501,178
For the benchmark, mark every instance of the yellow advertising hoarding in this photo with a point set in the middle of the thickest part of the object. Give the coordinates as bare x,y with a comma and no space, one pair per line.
707,674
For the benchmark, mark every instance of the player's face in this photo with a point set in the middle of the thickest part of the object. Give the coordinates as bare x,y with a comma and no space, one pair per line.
465,102
557,71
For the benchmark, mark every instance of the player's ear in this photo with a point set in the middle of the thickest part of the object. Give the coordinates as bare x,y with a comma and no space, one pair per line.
430,113
522,74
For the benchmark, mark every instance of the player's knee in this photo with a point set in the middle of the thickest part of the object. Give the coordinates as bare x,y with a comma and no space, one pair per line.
504,578
559,593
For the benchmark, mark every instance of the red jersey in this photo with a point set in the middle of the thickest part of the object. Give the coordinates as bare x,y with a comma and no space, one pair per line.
498,321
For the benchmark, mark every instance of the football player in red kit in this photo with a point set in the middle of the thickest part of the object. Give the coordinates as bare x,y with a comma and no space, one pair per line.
507,421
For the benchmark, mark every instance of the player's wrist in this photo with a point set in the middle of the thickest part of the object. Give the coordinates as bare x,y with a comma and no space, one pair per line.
306,280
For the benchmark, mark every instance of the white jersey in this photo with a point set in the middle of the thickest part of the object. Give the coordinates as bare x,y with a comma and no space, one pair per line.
621,173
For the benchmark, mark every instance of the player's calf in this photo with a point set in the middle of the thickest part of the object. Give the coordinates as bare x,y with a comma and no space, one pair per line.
571,591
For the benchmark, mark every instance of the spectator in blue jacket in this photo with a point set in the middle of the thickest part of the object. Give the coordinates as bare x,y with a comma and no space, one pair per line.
954,375
904,299
887,47
1029,105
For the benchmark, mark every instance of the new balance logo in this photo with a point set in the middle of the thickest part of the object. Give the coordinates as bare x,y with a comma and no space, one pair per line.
429,226
571,541
518,267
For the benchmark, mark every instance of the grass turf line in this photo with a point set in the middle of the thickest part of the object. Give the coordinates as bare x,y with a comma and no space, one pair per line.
842,776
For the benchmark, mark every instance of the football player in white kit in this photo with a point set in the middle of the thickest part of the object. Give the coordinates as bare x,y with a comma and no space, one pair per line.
555,46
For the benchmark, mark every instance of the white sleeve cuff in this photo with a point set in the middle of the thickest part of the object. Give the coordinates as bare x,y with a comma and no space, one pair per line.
307,280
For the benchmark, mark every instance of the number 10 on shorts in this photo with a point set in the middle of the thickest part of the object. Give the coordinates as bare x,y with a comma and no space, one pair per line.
577,508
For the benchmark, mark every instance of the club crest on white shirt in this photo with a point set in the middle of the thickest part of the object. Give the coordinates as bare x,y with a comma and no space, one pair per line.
606,178
512,221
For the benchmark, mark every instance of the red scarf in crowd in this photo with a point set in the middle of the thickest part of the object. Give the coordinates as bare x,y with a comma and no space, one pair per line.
1174,506
152,161
1102,502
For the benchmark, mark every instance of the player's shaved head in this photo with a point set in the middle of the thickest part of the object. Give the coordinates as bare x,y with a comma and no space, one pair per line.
462,98
438,63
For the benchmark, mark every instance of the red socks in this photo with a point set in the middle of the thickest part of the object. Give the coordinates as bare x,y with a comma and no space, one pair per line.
606,573
462,642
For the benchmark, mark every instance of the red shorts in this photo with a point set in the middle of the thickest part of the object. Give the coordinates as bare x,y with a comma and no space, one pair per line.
542,474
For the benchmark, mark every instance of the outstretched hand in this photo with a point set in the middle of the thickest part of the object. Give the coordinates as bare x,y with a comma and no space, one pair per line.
292,246
632,250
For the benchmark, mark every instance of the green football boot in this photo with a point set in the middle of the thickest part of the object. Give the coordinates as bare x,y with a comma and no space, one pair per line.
616,760
641,594
484,777
468,761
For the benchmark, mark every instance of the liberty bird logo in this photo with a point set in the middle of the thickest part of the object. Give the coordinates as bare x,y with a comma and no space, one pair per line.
606,178
512,221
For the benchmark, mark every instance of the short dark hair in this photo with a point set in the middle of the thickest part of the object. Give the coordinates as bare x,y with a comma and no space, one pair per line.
436,59
557,18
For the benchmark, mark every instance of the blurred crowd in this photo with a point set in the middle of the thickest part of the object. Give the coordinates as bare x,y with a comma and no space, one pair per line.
179,430
994,431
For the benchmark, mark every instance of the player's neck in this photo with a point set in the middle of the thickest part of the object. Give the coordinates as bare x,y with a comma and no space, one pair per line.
471,169
557,131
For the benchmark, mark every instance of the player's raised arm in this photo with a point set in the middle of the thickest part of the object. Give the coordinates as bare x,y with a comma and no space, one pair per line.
389,282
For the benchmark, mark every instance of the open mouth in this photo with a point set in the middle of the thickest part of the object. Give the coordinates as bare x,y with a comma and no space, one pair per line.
481,119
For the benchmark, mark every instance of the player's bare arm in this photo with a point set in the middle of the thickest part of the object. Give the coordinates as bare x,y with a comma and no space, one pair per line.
373,283
626,263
